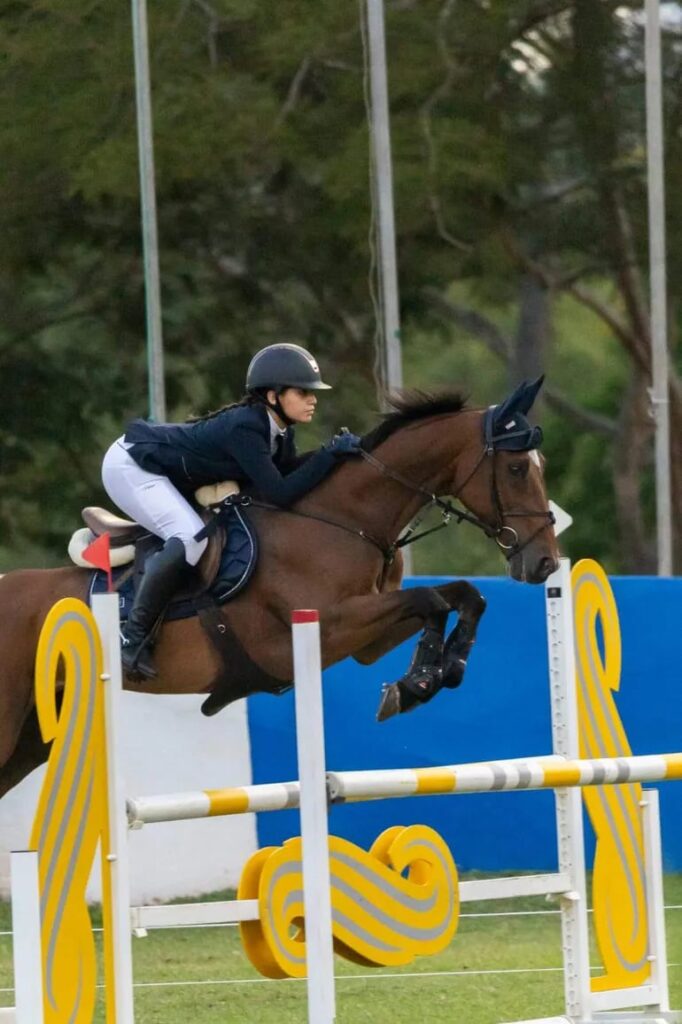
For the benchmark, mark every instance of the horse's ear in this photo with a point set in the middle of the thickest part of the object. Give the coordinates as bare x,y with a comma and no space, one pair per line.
521,400
530,393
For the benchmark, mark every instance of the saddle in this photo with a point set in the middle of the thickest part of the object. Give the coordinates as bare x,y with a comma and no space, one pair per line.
224,568
223,571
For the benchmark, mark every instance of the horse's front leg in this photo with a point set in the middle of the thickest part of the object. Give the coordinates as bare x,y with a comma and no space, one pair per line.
462,638
433,665
377,624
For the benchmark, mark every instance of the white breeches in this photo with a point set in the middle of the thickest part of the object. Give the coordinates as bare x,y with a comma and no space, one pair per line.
151,500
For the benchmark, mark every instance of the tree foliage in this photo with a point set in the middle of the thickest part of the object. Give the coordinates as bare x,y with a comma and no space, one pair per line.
518,143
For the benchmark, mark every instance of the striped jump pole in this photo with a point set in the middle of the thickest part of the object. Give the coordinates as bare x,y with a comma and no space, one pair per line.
503,776
550,772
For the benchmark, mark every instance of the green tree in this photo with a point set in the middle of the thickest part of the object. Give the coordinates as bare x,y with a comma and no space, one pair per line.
517,130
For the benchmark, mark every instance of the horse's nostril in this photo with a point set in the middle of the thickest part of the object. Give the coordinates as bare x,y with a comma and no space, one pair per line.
547,566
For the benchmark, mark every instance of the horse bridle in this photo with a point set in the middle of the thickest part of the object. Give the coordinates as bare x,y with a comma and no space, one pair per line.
450,511
529,438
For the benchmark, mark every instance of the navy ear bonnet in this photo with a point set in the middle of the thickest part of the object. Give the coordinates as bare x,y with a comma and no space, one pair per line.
505,426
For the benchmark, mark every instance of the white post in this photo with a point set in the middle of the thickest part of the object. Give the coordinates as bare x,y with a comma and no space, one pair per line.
28,967
314,823
658,953
568,802
106,611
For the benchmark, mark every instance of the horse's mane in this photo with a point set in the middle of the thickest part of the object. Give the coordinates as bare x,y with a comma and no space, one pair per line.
410,406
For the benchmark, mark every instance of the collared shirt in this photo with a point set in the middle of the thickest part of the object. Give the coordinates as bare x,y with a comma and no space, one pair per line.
275,433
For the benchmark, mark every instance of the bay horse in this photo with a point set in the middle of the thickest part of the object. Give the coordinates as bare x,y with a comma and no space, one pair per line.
336,550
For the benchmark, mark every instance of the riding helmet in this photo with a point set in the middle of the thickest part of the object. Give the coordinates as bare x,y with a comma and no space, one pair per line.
284,366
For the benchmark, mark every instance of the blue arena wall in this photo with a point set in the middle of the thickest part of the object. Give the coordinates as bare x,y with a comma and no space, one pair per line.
500,711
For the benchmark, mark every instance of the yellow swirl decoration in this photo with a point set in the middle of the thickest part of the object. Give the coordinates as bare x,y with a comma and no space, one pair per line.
379,917
72,812
618,887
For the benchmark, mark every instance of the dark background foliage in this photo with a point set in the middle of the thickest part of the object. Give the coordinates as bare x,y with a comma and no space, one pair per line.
520,188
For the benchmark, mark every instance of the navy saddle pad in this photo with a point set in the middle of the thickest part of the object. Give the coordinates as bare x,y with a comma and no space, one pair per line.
236,568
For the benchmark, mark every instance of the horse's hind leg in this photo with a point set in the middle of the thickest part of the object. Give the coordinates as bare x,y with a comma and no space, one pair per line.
29,753
15,712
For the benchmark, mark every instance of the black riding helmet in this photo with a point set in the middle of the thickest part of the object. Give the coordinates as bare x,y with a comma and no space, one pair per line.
284,366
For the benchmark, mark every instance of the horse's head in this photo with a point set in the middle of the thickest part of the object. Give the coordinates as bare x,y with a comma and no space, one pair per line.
499,477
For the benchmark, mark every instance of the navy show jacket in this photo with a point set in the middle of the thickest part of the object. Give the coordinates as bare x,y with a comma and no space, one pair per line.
232,445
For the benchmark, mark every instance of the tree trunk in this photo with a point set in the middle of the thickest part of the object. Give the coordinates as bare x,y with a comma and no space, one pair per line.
529,354
631,454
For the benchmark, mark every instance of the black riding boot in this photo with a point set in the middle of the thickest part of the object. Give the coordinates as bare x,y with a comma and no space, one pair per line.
163,575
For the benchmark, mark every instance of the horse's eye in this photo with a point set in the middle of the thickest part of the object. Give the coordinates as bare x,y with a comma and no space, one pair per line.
518,468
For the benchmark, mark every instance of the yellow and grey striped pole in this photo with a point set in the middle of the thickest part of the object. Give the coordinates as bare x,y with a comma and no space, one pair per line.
550,772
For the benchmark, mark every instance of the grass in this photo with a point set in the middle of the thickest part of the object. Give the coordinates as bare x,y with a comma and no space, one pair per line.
444,988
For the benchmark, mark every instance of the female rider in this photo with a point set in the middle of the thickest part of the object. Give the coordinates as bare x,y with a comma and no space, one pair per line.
152,471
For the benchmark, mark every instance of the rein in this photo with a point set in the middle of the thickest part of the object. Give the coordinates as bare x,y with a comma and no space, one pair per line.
447,509
450,511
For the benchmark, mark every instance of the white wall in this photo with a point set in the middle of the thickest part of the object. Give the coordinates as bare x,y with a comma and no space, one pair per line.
168,746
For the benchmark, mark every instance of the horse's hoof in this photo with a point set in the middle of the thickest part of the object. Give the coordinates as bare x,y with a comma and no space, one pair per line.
389,705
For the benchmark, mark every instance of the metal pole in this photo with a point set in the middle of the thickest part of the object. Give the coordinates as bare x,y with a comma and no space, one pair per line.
157,391
383,181
657,274
383,175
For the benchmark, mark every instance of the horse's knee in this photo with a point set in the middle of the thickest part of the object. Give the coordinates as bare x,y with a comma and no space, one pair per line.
465,598
479,603
426,602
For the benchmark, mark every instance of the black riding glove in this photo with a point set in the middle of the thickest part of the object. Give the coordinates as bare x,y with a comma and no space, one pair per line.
343,444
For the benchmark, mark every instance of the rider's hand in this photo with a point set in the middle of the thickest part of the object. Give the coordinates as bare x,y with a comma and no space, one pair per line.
344,443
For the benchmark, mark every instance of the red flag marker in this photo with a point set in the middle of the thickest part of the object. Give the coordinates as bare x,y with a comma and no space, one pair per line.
98,555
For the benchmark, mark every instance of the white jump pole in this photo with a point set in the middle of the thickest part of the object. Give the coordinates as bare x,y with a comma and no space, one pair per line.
314,824
568,801
105,608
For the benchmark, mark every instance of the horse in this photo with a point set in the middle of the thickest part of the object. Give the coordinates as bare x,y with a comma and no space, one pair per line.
336,550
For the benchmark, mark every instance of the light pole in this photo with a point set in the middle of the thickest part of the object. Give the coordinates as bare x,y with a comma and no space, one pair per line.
657,276
392,361
383,180
150,241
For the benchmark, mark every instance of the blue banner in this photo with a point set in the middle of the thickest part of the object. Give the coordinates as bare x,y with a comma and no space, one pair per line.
500,711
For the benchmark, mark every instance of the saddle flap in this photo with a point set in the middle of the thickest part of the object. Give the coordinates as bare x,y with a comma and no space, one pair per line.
209,563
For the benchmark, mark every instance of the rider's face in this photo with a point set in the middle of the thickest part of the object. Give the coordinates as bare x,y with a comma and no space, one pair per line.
298,404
